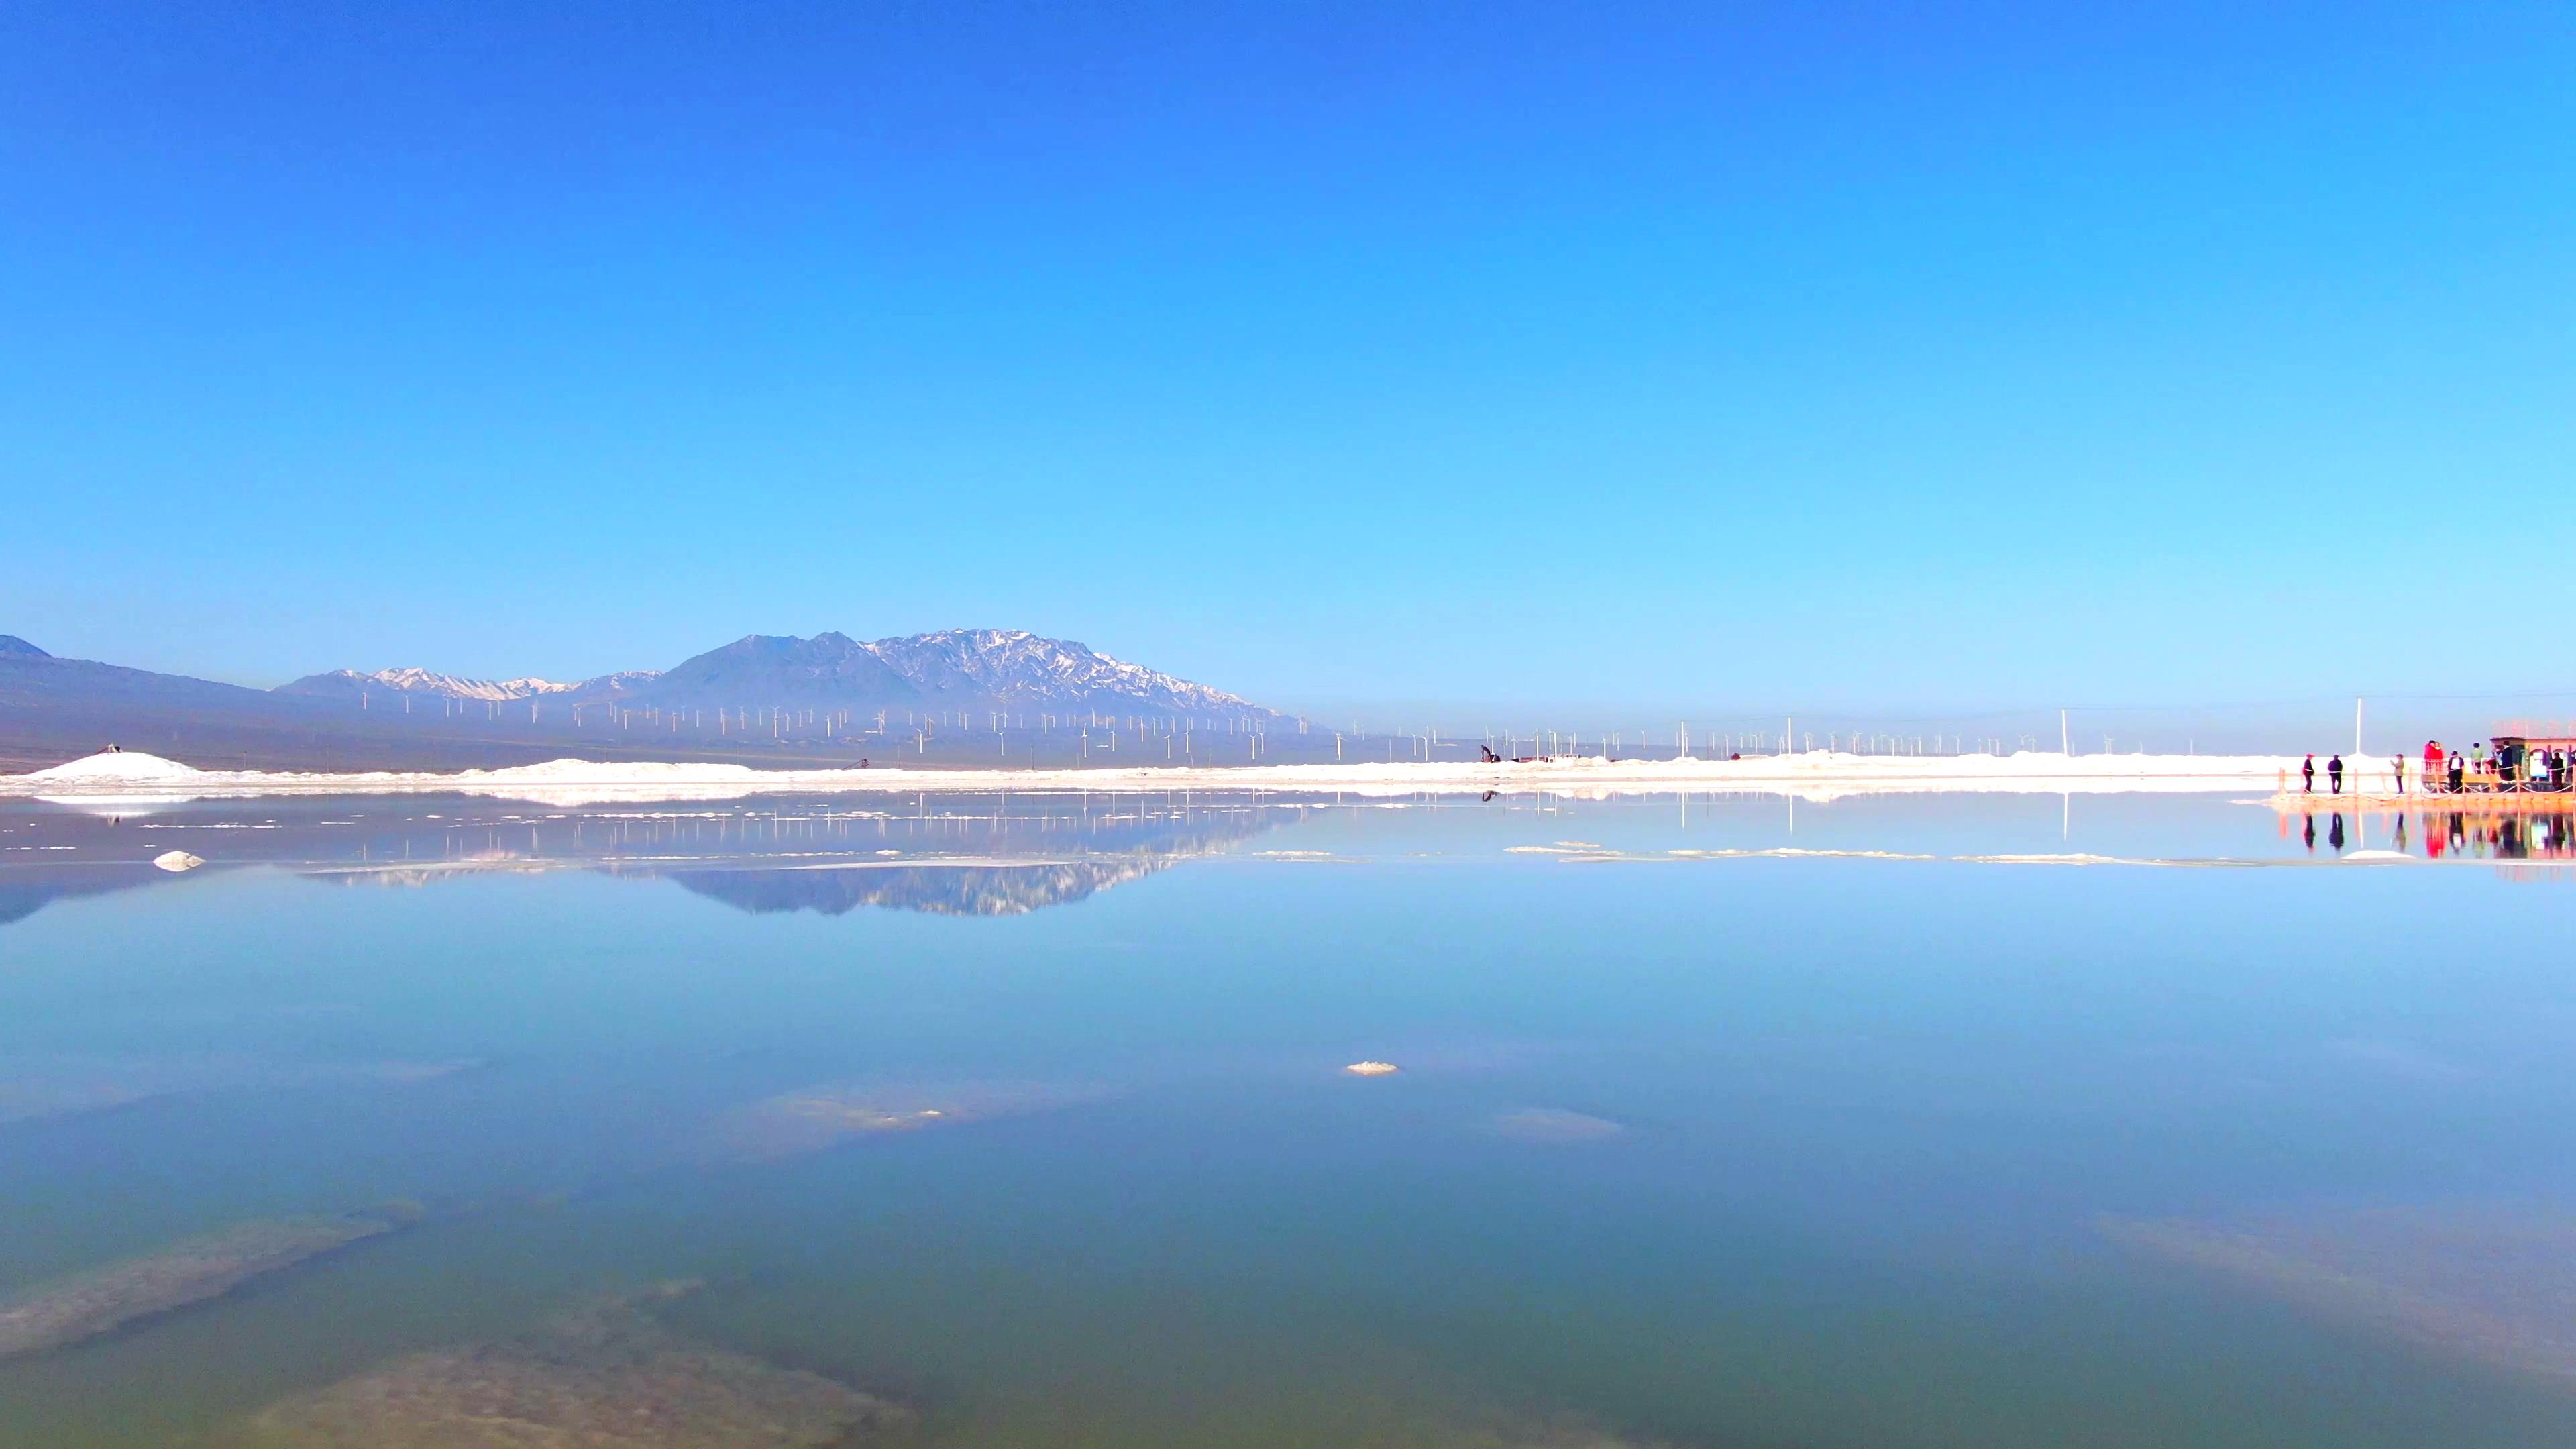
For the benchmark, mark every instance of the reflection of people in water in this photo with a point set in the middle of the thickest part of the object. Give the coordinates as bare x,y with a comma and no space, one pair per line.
2459,825
2334,832
2308,832
2401,834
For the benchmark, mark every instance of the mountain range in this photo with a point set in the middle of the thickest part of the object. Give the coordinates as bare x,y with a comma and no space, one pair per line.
805,698
950,669
761,700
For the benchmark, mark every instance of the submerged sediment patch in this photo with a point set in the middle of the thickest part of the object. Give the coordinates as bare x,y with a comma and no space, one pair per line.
191,1271
1553,1125
2490,1283
608,1376
1541,1431
829,1114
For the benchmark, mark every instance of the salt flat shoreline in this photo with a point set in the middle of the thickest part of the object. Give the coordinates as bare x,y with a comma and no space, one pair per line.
1812,775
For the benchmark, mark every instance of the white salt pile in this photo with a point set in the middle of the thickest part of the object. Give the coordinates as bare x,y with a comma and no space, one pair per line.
1371,1069
116,765
175,861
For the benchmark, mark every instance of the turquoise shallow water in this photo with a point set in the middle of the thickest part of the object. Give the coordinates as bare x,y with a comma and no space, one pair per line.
1773,1150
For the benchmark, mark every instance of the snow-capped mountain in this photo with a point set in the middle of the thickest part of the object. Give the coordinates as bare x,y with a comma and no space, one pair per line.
950,669
453,686
1020,669
1006,669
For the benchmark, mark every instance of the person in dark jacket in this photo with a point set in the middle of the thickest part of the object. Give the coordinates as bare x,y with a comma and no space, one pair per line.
2334,774
2308,775
2456,768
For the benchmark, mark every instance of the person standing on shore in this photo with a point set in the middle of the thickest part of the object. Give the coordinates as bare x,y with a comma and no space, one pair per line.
2334,774
2308,775
2397,772
2455,772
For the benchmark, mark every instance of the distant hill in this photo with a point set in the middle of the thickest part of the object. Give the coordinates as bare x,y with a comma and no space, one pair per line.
29,675
13,647
350,683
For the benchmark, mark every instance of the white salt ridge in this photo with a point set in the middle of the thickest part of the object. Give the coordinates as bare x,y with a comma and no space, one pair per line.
1818,775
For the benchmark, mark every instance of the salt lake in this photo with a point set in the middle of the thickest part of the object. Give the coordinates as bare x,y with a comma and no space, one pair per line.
1718,1120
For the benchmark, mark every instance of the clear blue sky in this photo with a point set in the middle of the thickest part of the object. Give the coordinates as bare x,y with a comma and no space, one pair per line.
1404,357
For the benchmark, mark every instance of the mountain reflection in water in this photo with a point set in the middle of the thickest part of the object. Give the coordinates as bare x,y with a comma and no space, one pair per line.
983,888
961,856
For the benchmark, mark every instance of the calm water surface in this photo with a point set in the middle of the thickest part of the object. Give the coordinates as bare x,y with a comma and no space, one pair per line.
1687,1147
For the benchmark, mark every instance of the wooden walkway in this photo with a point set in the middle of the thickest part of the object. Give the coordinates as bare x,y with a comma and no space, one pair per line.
2485,802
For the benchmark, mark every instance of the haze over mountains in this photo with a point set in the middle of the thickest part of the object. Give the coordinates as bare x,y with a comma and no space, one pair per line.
797,696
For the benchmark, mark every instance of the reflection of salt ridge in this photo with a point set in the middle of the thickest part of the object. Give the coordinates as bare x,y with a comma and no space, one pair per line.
611,1375
2495,1285
409,874
940,888
1794,851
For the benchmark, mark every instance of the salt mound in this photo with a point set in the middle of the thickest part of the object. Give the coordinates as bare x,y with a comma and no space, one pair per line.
175,861
119,765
